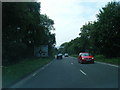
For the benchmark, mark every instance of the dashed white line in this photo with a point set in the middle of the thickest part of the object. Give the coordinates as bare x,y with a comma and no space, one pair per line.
83,72
71,63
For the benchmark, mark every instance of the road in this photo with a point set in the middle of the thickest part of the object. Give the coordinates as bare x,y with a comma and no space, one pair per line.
68,73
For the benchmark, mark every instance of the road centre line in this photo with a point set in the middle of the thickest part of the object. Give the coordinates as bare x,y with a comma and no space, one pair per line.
83,72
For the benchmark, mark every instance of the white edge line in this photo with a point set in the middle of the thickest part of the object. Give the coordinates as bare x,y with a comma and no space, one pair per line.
20,83
43,68
34,74
83,72
107,64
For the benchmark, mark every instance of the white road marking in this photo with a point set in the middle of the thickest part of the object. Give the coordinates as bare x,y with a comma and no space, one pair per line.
83,72
102,63
43,68
107,64
47,64
71,63
34,74
21,82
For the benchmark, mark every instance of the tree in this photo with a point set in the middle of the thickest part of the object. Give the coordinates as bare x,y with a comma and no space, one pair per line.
19,20
108,28
23,28
101,36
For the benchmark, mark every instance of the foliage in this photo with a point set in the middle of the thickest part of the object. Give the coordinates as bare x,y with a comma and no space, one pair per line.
101,36
109,29
23,28
101,58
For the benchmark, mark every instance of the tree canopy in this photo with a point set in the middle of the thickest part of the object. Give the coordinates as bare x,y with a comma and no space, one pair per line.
101,36
23,27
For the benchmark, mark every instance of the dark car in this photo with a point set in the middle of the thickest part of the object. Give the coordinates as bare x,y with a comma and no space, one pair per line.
85,57
59,56
66,55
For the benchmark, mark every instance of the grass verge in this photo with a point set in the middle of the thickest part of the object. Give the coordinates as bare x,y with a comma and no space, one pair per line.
102,58
74,56
13,73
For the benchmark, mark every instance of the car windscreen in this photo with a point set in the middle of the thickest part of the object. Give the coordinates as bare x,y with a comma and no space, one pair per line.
86,54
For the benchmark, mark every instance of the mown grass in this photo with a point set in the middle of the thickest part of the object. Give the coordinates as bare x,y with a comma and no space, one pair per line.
13,73
102,58
74,56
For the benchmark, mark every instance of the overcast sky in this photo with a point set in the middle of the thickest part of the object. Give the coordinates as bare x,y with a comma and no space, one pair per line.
70,15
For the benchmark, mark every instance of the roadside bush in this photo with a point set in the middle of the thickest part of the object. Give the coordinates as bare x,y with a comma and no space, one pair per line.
100,56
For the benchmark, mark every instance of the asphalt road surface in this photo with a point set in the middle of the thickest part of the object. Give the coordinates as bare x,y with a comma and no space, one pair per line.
68,73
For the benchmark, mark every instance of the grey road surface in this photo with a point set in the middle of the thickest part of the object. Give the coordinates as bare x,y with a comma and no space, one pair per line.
68,73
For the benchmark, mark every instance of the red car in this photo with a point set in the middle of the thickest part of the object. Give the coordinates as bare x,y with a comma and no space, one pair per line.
85,57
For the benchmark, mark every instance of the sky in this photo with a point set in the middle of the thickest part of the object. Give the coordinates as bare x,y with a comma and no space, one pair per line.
70,15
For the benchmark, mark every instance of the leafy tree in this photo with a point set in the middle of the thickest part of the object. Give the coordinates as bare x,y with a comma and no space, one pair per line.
23,28
108,28
101,36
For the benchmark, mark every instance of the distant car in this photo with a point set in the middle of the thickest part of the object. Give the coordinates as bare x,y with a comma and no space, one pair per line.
66,55
59,56
85,57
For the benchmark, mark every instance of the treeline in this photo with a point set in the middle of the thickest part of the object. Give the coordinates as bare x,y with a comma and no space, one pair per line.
23,27
101,36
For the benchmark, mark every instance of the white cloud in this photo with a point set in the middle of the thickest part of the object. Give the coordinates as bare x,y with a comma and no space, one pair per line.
70,15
